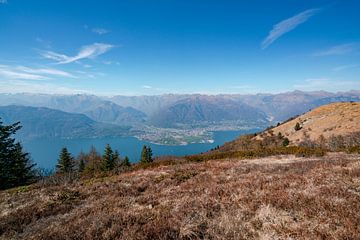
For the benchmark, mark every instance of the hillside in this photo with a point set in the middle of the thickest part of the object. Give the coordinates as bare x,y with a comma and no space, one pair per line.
40,122
268,198
94,107
329,120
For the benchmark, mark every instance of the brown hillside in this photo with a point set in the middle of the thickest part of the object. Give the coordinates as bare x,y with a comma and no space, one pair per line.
328,120
280,197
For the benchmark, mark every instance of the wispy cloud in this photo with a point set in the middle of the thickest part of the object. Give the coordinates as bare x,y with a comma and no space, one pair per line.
338,50
19,86
26,73
100,31
3,1
317,84
287,25
86,52
344,67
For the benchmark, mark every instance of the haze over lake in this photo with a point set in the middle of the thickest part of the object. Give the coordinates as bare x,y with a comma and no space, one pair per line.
44,152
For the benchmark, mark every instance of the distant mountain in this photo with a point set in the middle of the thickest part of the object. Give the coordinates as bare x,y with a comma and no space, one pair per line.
92,106
40,122
148,104
209,109
170,109
282,106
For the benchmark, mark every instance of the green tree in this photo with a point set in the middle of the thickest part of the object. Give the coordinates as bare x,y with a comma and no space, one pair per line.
65,162
146,155
126,162
23,169
15,165
149,154
285,142
110,158
143,158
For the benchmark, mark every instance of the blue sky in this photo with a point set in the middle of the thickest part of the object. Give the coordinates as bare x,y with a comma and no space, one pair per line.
179,46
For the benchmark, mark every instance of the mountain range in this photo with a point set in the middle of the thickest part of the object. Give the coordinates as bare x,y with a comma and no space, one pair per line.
173,110
41,122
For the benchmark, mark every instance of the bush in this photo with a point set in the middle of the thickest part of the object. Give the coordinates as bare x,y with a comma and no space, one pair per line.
297,126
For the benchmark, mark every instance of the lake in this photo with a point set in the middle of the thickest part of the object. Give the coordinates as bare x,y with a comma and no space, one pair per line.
45,152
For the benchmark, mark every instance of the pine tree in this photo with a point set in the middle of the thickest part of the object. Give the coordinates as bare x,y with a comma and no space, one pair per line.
22,169
297,126
108,159
146,155
15,165
81,159
149,154
126,162
65,162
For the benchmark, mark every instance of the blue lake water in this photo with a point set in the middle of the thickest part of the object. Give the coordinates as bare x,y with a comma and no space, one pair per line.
45,152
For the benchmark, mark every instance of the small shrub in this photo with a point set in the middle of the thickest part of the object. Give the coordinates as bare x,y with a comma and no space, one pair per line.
285,142
297,126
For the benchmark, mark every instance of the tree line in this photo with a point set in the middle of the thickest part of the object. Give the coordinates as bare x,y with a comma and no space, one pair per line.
17,168
93,162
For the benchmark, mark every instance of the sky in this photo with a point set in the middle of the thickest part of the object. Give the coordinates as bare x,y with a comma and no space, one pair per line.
134,47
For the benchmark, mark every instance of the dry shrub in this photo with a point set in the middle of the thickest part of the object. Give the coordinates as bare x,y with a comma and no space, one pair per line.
279,197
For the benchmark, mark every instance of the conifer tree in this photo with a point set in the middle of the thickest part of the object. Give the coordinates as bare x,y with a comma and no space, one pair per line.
15,165
146,155
22,169
108,158
65,162
126,162
143,158
149,154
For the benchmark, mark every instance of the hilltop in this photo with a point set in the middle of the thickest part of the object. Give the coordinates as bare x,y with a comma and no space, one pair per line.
335,119
332,126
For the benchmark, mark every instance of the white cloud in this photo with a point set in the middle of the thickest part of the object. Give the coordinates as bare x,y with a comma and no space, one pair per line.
326,84
147,87
89,51
18,86
100,31
344,67
26,73
287,25
338,50
46,71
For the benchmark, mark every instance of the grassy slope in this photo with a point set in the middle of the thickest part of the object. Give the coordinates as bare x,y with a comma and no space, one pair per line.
269,198
327,120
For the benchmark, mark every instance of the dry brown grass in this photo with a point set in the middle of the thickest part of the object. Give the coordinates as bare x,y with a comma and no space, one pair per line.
280,197
328,120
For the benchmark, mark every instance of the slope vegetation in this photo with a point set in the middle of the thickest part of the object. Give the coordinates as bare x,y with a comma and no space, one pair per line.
267,198
335,119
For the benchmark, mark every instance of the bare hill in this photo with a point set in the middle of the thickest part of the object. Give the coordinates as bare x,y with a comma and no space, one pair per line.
329,120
